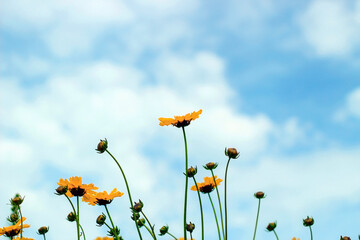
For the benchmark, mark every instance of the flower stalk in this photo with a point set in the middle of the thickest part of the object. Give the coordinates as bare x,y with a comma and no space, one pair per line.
218,195
217,223
201,209
186,182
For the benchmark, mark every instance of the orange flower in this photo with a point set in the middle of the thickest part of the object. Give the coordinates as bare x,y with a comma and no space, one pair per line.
294,238
76,188
183,238
208,185
13,230
104,238
23,238
180,121
102,198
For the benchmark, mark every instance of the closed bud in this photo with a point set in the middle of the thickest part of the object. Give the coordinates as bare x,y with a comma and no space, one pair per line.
231,153
308,221
13,217
43,230
191,172
61,190
138,206
102,146
100,220
210,166
135,216
259,195
71,217
190,227
141,222
344,238
271,226
164,230
17,200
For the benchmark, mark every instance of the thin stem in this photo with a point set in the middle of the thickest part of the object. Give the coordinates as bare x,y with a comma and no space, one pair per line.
201,210
276,235
128,190
186,182
172,236
226,170
83,232
151,233
44,237
78,218
218,195
21,221
112,223
191,236
217,223
257,218
151,226
107,225
311,233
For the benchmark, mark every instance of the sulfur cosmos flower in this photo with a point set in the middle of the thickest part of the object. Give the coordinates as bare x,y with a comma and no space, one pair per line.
180,121
76,188
13,230
104,238
102,198
208,185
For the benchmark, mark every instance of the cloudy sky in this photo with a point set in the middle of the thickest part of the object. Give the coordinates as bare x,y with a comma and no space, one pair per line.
277,79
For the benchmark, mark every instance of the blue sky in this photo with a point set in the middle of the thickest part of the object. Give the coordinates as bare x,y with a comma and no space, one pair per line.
278,80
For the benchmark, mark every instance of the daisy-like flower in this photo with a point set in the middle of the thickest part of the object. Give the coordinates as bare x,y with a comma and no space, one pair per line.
76,188
104,238
13,230
208,185
180,121
102,198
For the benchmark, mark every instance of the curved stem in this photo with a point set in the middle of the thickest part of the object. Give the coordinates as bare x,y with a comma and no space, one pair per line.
201,210
78,217
151,233
44,237
226,170
217,223
172,236
257,218
128,189
83,232
151,226
112,223
311,233
276,235
72,205
21,221
218,195
186,182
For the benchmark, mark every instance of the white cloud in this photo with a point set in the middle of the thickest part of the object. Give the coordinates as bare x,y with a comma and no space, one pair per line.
351,107
331,28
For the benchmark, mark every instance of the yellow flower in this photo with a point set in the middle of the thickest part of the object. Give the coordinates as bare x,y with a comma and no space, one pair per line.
76,188
13,230
180,121
104,238
102,198
294,238
208,185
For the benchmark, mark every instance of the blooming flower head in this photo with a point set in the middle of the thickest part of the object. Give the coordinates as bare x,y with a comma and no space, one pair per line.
76,188
180,121
208,185
104,238
13,230
102,198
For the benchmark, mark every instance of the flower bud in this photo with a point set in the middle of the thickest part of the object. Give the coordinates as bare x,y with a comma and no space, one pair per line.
232,153
61,190
100,220
141,222
17,200
164,230
344,238
138,206
210,166
102,146
307,222
13,217
271,226
71,217
191,172
43,230
190,227
135,216
259,195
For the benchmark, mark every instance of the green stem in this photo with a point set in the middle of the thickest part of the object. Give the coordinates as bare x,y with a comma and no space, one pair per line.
201,210
186,182
83,232
112,223
151,233
276,235
72,205
217,223
311,233
151,226
172,236
191,236
226,170
128,190
78,217
257,218
44,237
218,195
21,221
